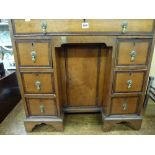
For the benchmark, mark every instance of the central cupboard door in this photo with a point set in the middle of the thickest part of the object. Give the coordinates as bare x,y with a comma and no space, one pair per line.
84,74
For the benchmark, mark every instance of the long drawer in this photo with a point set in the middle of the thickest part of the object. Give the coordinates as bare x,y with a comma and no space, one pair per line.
80,25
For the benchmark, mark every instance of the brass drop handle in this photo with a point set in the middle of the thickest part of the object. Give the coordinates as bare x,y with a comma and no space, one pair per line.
33,56
124,26
129,82
133,55
38,85
42,108
124,106
44,26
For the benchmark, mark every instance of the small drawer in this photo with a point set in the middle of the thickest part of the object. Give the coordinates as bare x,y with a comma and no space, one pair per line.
133,52
128,81
34,53
124,105
42,107
75,25
38,83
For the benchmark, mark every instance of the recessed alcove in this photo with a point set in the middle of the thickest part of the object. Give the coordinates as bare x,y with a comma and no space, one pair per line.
83,70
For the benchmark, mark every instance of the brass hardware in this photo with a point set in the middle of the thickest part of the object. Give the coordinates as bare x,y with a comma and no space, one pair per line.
124,106
124,26
129,82
33,56
133,55
42,108
44,26
38,85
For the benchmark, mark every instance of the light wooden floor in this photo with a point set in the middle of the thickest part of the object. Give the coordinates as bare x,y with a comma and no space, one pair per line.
83,124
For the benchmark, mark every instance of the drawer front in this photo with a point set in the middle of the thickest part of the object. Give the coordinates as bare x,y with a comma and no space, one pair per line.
132,52
124,105
34,53
38,83
41,107
69,25
128,81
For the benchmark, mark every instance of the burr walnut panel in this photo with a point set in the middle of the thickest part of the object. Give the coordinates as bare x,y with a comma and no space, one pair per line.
71,25
41,107
124,105
38,83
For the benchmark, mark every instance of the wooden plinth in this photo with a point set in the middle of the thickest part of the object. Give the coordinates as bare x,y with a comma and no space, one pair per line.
56,123
133,121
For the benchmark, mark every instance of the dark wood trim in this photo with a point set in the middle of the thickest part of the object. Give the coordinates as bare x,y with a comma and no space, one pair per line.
56,79
127,94
136,67
110,82
84,34
66,74
36,69
98,73
81,109
46,96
